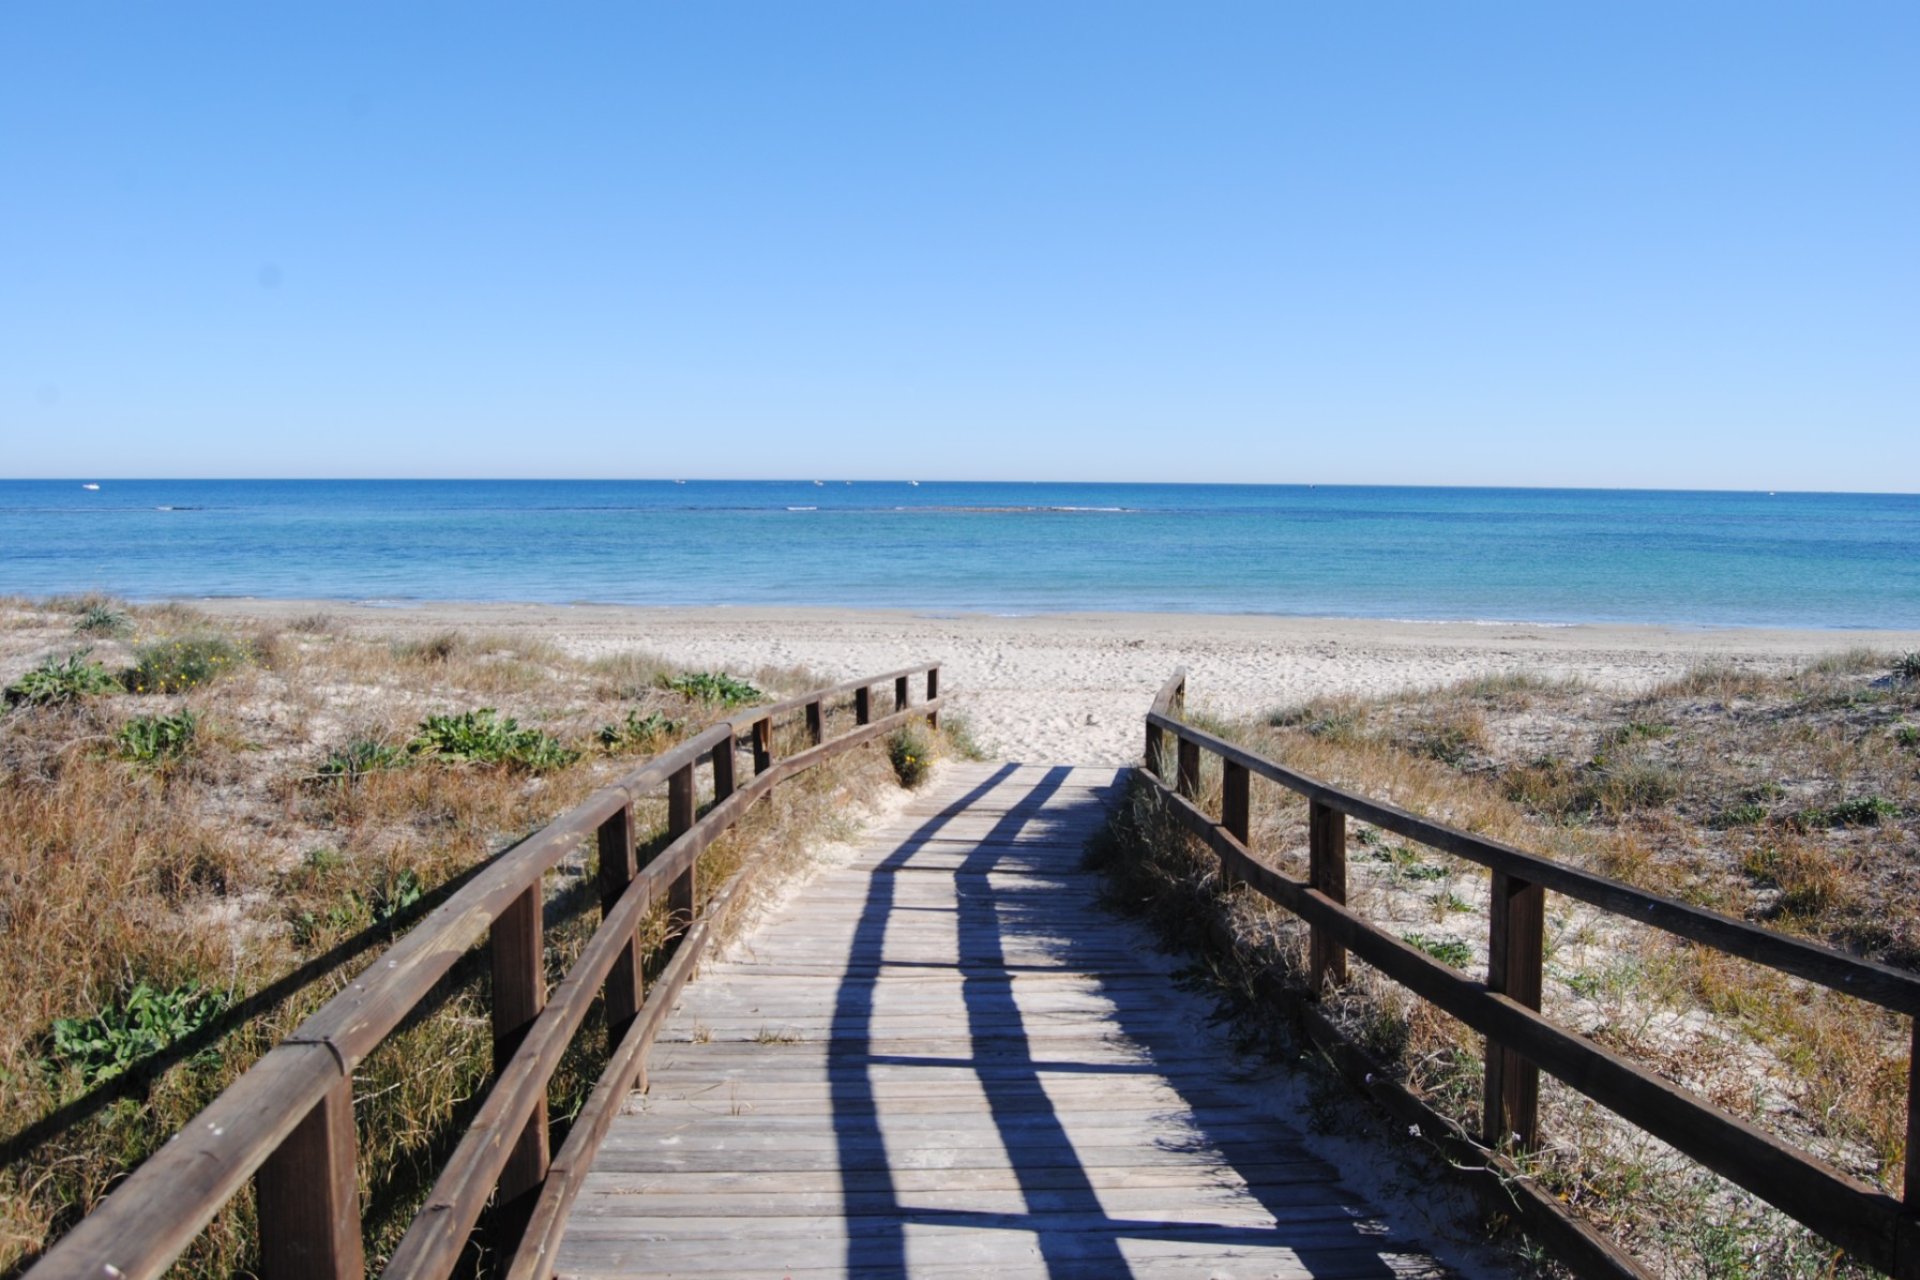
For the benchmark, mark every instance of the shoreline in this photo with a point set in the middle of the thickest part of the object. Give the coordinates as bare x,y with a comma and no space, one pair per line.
1072,687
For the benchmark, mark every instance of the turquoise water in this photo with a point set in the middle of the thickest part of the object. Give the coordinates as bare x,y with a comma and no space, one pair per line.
1706,559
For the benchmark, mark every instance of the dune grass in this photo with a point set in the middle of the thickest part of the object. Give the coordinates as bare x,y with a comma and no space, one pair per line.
1790,800
188,873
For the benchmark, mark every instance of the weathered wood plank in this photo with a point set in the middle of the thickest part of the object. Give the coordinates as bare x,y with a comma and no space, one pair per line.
948,1038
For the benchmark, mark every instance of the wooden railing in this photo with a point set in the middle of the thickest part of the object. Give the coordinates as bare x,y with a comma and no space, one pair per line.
1874,1227
287,1123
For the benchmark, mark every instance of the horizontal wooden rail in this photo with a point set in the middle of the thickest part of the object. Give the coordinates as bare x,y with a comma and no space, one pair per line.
1879,984
1861,1219
282,1120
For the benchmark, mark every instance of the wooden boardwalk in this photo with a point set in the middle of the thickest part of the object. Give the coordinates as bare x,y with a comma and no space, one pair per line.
947,1059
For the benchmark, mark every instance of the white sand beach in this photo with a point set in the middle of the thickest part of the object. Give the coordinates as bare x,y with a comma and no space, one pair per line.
1072,687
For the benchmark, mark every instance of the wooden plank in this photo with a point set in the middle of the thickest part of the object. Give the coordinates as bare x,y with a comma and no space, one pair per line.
308,1197
1516,951
1327,861
979,1053
519,994
616,870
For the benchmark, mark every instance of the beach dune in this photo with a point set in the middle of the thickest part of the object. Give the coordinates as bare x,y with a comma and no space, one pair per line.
1073,687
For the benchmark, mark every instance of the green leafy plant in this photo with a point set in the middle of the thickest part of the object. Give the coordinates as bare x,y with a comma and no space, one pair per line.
183,663
147,1021
395,895
361,757
1738,815
1907,735
65,679
1906,668
157,739
714,687
636,732
103,620
910,756
482,737
1448,951
1862,811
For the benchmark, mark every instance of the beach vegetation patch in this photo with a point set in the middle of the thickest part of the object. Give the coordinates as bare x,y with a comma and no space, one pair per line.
361,757
636,732
157,739
182,664
1448,951
100,619
911,756
714,688
956,733
119,1037
486,738
58,680
1906,668
1452,738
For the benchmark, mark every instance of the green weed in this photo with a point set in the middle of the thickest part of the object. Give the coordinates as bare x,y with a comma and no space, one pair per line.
637,732
103,620
62,680
481,737
157,739
113,1040
714,687
361,757
1448,951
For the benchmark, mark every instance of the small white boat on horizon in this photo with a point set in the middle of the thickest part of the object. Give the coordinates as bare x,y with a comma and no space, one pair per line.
90,486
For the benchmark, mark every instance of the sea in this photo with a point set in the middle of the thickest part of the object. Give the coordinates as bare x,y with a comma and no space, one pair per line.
1694,559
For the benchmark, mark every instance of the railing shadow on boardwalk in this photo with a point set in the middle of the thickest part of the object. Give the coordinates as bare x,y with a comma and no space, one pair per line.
1072,1230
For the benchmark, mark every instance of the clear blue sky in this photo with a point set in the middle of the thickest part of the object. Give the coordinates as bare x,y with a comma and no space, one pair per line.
1672,245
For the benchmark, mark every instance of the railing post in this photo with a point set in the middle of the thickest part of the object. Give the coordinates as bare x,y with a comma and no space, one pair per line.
1913,1132
723,767
863,705
1188,783
519,993
933,691
816,722
1515,948
900,694
622,991
762,746
1326,872
1155,746
309,1197
680,807
1236,812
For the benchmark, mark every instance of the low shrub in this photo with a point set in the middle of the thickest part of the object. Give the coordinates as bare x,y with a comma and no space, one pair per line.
157,739
361,757
714,687
103,620
1906,668
1448,951
910,755
482,737
65,679
1862,811
183,663
637,732
147,1021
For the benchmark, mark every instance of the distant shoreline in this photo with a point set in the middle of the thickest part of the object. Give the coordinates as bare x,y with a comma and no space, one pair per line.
1074,686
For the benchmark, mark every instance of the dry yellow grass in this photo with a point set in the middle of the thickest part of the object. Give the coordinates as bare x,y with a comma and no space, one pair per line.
243,867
